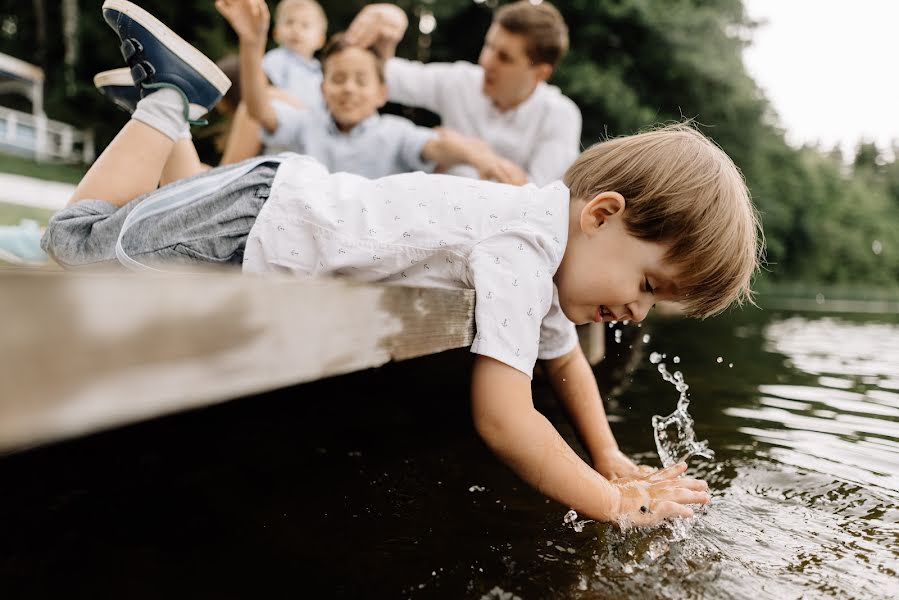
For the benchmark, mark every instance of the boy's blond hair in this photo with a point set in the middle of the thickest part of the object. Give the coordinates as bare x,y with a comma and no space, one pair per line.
285,5
682,190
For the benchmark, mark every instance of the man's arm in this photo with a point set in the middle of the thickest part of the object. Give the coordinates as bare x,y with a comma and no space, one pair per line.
575,386
527,442
250,20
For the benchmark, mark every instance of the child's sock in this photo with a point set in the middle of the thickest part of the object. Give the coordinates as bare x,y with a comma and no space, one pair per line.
163,110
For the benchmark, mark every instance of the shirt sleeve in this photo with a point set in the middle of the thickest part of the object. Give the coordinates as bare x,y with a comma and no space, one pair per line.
412,140
512,276
273,66
424,85
292,124
559,142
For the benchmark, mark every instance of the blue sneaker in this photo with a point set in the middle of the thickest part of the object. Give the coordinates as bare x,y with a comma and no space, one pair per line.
158,58
118,86
21,244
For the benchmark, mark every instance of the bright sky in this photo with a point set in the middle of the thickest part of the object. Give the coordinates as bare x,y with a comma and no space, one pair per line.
829,68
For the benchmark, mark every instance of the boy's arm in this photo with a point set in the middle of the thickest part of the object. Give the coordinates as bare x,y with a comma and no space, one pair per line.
451,148
250,20
575,386
527,442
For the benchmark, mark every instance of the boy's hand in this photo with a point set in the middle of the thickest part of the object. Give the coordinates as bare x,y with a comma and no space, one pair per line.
661,495
379,25
249,18
613,464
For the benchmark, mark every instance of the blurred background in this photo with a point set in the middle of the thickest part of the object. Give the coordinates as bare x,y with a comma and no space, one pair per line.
829,208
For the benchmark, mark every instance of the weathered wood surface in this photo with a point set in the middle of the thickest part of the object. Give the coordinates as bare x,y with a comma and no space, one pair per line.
85,352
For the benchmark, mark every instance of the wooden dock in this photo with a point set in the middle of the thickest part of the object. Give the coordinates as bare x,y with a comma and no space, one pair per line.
83,352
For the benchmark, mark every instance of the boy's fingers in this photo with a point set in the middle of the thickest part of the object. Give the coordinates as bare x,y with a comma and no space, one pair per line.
682,496
666,510
670,473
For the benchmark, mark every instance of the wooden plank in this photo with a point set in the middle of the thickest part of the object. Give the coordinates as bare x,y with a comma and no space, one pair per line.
83,352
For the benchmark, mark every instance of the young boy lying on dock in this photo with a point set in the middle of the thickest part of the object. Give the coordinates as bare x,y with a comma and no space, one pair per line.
663,215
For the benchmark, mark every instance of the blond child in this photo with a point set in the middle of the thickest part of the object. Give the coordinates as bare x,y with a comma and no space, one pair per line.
663,215
300,29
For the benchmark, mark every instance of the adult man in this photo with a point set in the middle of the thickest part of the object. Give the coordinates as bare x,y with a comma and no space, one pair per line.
503,100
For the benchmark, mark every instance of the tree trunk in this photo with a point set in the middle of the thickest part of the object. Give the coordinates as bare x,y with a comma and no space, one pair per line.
70,41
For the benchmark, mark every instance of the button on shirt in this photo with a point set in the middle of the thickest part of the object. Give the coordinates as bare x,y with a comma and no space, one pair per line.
299,76
415,229
378,146
542,135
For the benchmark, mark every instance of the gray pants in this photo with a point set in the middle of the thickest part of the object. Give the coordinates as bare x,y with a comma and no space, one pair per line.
211,229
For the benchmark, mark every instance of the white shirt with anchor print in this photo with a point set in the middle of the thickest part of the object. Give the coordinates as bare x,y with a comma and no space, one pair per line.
423,230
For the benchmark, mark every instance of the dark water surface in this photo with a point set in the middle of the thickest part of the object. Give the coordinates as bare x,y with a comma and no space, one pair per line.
374,485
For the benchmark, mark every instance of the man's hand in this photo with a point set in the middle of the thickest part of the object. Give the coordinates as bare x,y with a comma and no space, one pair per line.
490,165
249,18
659,496
613,464
379,25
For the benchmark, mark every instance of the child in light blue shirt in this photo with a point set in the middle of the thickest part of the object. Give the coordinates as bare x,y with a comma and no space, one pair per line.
300,27
350,136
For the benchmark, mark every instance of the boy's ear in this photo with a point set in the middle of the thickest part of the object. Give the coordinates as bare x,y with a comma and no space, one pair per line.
382,95
603,208
543,71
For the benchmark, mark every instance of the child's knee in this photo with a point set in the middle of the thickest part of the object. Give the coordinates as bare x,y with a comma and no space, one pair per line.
82,234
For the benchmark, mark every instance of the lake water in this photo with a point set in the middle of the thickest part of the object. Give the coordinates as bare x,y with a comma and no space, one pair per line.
374,485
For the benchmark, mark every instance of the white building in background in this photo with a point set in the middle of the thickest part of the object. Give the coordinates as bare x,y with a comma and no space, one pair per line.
33,134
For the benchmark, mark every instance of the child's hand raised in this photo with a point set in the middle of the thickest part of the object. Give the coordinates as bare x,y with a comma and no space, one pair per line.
661,495
249,18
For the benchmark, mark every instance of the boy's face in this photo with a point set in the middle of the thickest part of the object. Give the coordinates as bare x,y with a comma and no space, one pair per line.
352,89
301,29
509,75
607,273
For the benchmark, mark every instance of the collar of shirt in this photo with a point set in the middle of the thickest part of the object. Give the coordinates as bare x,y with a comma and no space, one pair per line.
358,129
310,64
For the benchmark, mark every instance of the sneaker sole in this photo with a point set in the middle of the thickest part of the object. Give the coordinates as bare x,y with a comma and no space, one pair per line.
175,43
114,78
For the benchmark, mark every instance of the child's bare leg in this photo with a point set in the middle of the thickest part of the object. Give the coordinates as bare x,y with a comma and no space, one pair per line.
183,162
130,166
243,137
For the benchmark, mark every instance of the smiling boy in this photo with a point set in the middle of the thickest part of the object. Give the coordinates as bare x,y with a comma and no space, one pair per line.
662,215
350,135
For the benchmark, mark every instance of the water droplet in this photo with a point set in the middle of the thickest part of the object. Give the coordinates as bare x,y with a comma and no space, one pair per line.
719,360
646,338
730,365
676,359
819,298
876,247
655,358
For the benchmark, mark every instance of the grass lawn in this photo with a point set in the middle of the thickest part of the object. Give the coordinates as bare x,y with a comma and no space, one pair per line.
49,171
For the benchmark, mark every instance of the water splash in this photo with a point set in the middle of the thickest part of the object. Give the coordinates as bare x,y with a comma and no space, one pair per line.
675,438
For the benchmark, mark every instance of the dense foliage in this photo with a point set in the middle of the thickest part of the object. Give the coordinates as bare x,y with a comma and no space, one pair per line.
633,63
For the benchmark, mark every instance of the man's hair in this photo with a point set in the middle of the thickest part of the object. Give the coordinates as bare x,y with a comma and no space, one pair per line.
682,190
338,43
543,27
285,5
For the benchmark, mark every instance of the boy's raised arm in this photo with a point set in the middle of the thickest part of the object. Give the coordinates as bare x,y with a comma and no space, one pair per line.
527,442
250,20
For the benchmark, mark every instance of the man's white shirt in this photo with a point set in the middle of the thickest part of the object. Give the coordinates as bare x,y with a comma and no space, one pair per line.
415,229
541,135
